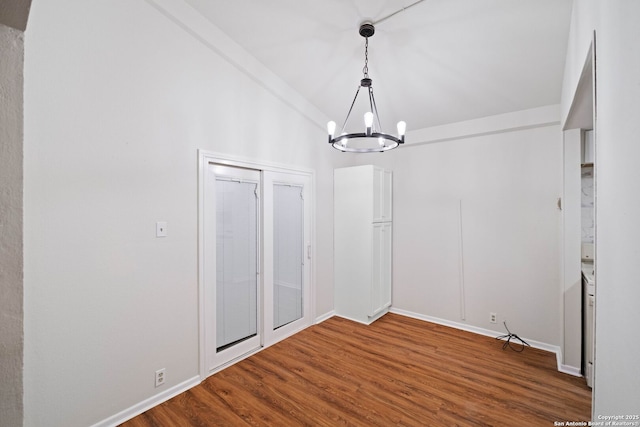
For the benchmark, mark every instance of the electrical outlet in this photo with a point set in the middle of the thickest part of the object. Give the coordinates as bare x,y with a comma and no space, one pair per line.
161,229
160,377
493,317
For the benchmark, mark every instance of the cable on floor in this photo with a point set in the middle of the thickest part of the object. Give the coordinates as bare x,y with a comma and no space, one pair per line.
510,336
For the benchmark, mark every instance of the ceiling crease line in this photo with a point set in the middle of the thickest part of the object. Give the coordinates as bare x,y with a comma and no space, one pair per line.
396,12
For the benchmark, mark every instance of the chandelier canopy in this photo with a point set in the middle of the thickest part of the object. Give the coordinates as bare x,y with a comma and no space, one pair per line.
373,139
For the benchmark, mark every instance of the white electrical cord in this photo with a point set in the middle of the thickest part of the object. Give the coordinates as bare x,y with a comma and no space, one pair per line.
396,12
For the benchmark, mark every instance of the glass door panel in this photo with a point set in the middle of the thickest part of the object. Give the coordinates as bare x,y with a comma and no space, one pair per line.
236,261
231,293
288,250
287,254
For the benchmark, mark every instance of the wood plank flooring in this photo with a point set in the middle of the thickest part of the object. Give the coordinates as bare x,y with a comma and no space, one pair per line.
396,372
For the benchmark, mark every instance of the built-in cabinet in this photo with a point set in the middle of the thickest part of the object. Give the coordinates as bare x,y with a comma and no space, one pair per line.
362,242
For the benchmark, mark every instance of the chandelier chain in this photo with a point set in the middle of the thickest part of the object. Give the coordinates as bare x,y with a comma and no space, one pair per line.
365,70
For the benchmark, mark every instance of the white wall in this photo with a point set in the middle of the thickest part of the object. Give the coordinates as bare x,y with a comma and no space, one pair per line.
119,95
11,231
617,373
507,183
583,17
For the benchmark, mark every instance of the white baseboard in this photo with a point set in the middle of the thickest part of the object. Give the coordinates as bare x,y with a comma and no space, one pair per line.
373,319
149,403
325,316
571,370
567,369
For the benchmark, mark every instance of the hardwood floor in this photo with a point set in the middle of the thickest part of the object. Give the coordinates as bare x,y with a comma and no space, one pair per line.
397,371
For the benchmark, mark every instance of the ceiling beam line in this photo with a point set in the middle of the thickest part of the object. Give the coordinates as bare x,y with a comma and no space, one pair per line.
396,12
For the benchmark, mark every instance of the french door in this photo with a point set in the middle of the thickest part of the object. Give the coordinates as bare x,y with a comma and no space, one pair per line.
255,259
287,254
232,249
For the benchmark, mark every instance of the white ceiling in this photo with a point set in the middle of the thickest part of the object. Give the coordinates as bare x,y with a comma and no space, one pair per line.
438,62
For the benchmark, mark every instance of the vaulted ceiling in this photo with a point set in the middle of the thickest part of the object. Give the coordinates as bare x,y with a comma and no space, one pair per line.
437,62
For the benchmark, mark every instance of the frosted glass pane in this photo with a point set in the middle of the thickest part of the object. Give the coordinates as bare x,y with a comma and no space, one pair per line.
288,238
236,262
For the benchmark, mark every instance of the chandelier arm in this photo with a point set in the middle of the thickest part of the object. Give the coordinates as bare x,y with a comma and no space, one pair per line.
373,111
375,108
346,119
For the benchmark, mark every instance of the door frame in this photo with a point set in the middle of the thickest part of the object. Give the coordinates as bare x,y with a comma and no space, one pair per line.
205,158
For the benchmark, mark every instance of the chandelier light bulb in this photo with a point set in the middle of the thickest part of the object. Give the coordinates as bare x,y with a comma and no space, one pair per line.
331,128
402,128
368,121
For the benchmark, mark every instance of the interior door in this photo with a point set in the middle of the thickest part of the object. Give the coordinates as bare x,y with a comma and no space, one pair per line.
287,257
231,263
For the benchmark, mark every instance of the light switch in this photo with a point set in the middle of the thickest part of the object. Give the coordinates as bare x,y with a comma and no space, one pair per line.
161,229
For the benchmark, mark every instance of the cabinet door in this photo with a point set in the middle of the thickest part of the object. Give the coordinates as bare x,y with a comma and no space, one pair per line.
382,184
385,263
381,260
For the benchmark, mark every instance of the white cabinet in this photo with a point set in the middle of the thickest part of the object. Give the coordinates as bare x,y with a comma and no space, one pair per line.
381,277
362,242
381,195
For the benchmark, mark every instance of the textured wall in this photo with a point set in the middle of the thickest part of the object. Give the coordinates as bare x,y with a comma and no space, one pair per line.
11,311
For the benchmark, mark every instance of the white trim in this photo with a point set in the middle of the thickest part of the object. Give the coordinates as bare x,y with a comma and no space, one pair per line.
570,370
225,365
509,122
202,352
463,311
372,319
149,403
353,320
288,335
493,334
328,315
250,163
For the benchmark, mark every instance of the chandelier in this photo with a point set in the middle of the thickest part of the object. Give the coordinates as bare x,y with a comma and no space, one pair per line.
372,139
